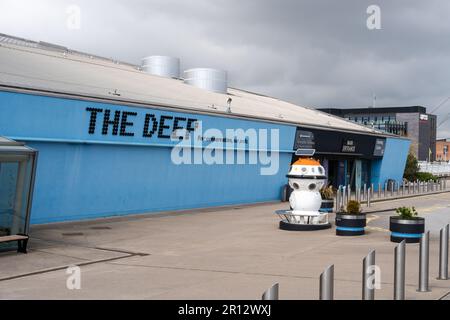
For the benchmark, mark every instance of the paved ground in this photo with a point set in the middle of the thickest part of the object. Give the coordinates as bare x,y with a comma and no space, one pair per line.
233,253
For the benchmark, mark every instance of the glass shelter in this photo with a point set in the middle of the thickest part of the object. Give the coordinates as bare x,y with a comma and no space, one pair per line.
17,172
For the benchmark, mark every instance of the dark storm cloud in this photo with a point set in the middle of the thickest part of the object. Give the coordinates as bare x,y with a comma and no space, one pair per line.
316,53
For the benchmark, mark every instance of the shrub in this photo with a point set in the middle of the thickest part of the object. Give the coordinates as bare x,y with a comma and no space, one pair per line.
426,176
353,207
327,193
406,213
411,168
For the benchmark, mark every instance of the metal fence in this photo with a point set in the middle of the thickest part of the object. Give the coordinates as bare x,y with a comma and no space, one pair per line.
392,189
435,168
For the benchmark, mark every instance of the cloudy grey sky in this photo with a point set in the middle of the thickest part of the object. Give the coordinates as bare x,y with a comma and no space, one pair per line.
315,53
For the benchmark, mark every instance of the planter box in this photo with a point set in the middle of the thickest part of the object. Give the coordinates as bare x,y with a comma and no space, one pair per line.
410,230
350,225
327,206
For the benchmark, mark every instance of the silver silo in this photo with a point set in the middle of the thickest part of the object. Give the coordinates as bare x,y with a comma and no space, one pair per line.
163,66
209,79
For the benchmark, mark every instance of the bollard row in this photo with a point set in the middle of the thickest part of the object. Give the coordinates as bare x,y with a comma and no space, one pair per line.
364,193
326,280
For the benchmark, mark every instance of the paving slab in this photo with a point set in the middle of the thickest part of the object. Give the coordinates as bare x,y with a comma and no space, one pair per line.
223,253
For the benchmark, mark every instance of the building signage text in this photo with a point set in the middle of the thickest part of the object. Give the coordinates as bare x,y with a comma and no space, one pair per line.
349,146
121,123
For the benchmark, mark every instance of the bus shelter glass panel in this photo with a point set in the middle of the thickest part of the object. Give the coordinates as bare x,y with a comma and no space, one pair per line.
17,170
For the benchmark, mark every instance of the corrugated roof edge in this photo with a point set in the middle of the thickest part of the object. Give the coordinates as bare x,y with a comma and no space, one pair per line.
13,40
144,104
317,110
52,47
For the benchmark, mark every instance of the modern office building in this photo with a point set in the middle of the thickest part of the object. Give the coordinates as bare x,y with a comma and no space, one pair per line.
413,122
442,149
108,135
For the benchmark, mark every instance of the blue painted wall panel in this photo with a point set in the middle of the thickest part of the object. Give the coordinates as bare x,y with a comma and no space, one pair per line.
82,175
392,165
87,181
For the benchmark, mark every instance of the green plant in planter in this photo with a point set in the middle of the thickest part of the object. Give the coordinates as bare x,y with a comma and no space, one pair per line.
353,208
327,193
426,176
407,213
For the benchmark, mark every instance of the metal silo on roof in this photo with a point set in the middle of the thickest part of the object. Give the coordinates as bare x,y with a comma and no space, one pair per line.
209,79
163,66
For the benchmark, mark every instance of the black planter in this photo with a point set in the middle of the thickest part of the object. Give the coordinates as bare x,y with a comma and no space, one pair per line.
410,230
327,206
350,225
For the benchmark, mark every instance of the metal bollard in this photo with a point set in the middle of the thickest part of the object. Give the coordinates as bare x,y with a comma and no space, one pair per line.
403,188
371,188
424,263
409,187
368,263
344,194
338,198
427,186
369,196
349,193
379,190
327,284
272,293
365,192
443,254
385,189
399,271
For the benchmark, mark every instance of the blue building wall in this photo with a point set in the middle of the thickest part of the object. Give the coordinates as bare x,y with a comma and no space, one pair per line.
392,165
83,175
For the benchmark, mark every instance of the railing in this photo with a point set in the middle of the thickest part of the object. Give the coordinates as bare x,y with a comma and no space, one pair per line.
435,168
367,194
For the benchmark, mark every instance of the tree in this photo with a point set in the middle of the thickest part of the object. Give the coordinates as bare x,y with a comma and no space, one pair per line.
411,168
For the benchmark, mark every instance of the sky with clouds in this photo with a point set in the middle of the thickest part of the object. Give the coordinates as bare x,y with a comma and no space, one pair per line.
312,52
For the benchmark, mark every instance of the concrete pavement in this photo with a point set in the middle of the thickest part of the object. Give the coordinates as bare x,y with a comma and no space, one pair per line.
226,253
